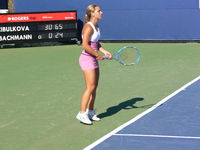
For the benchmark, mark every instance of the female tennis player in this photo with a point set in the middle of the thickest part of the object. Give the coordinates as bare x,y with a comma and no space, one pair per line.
88,61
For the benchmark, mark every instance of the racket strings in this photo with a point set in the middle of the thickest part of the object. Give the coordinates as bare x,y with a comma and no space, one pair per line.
128,56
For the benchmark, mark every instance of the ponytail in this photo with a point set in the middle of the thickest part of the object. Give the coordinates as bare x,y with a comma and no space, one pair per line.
86,19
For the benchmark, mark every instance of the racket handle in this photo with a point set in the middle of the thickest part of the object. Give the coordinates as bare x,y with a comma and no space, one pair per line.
106,57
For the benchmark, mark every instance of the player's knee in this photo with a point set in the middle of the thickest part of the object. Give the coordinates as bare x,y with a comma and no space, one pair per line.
92,87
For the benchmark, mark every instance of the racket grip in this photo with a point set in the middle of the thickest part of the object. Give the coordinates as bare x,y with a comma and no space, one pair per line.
106,57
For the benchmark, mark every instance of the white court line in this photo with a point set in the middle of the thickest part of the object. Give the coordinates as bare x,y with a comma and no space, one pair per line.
140,115
160,136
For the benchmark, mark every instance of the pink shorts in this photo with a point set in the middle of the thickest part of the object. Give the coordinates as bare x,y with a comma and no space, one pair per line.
87,61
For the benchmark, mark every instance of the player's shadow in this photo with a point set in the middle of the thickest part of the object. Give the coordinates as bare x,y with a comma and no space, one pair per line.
129,104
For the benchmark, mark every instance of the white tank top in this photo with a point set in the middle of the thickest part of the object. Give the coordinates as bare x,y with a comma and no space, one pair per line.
96,33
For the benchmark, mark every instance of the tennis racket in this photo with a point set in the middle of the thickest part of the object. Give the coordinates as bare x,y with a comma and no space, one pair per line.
127,56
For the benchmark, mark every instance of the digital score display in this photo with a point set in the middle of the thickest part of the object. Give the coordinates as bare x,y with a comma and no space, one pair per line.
35,27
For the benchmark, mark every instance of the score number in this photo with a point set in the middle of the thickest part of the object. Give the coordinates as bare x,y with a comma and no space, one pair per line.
57,30
48,27
53,27
51,35
57,26
57,35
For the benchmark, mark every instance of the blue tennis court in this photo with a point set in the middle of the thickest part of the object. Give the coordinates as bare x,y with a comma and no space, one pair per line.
173,124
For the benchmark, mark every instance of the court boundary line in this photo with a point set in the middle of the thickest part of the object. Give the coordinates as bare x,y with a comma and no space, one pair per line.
160,136
140,115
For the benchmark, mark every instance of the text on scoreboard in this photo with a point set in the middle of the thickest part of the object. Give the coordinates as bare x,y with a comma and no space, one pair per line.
40,26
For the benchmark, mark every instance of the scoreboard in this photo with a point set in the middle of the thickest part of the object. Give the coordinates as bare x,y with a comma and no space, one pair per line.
38,27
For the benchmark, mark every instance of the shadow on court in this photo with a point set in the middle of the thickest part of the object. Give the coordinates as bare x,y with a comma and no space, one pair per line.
129,104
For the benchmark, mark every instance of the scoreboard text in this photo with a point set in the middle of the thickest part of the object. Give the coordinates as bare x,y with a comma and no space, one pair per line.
44,26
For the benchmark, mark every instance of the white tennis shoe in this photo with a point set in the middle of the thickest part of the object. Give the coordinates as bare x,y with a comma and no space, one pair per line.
83,117
92,115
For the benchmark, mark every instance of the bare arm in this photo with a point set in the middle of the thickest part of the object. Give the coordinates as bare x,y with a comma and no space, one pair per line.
105,52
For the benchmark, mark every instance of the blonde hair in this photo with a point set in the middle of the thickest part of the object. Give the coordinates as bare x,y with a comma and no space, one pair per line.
89,9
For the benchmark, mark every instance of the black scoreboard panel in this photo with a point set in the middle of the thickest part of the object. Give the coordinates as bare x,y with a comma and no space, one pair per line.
36,32
40,29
